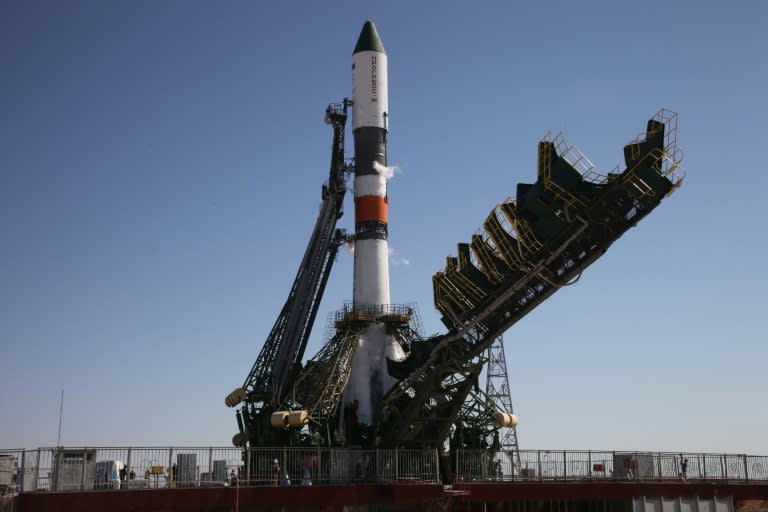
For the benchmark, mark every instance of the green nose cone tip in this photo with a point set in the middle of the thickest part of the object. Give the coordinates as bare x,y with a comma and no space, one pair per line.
369,40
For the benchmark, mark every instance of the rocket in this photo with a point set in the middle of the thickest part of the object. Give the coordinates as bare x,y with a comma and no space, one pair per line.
369,379
370,105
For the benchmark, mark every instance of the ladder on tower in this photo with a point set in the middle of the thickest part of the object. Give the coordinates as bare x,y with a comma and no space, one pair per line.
497,390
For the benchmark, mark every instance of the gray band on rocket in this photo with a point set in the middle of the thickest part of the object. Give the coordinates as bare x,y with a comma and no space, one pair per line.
371,230
370,147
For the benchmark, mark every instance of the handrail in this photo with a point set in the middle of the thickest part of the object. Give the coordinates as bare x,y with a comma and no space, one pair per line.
591,465
63,469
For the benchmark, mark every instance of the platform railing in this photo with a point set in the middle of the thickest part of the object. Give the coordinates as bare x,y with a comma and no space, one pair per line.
375,311
106,468
550,465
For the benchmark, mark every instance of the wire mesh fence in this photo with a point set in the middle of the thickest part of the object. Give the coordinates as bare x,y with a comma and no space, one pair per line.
86,469
539,465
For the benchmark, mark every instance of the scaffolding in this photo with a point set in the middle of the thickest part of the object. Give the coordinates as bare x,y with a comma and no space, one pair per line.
497,390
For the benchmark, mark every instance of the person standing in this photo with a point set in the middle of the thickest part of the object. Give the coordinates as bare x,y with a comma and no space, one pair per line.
275,472
684,469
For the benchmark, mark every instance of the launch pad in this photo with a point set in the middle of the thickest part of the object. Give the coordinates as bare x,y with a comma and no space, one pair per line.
377,382
529,248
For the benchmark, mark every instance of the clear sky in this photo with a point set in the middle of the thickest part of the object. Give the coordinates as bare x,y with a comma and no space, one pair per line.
160,174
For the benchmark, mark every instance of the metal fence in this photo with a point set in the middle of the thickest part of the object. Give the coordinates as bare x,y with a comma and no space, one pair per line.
85,469
75,469
540,465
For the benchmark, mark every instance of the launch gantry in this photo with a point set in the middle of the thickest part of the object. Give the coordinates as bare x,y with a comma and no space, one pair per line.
528,248
279,362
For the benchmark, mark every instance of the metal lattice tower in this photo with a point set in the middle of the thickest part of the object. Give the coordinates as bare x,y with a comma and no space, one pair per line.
497,390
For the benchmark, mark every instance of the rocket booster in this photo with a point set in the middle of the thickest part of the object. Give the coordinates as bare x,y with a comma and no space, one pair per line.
369,379
369,127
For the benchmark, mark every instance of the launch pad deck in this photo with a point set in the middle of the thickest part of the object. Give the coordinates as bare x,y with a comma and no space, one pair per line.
553,496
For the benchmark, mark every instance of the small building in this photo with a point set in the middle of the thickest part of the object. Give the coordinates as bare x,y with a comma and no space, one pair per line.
73,470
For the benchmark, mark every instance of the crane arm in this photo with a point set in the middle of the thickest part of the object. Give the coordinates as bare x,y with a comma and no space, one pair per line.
284,347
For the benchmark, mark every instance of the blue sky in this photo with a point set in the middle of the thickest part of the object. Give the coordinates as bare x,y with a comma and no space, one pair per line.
160,173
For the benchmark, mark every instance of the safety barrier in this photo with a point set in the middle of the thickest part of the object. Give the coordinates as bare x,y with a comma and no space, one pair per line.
540,465
7,502
74,469
87,469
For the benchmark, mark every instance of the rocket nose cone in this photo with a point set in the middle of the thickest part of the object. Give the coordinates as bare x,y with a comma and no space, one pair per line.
369,40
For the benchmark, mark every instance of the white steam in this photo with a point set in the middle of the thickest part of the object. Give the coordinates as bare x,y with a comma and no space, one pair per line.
369,379
349,245
395,259
384,171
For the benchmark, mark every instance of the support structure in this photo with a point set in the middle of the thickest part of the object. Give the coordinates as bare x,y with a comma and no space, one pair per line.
279,362
497,390
529,247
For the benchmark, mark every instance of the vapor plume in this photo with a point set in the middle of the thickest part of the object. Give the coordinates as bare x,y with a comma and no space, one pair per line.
384,171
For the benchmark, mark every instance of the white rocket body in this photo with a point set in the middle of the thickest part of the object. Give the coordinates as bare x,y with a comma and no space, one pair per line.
370,94
369,379
369,116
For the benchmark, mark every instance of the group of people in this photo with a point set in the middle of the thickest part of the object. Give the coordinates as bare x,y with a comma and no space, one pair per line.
127,473
278,477
631,467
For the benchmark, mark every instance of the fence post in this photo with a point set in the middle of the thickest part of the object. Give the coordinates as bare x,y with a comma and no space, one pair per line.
436,465
565,465
210,464
746,468
660,471
538,457
23,470
704,465
37,471
53,463
171,472
724,466
397,465
247,465
82,472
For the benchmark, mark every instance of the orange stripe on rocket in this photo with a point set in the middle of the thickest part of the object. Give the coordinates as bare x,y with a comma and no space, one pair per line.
370,208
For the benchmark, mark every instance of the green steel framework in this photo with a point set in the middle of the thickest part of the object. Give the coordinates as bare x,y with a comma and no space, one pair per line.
528,248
